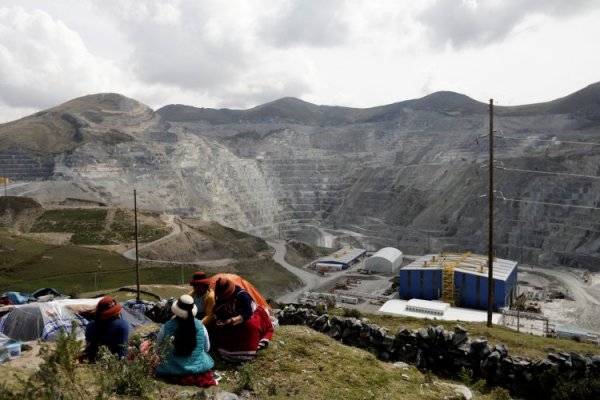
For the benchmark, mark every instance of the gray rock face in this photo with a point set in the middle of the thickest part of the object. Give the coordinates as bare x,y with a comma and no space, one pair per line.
409,175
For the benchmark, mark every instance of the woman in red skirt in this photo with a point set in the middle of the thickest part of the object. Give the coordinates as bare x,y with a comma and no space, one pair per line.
241,326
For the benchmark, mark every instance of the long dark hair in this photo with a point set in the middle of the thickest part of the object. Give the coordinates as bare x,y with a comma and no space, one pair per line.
185,335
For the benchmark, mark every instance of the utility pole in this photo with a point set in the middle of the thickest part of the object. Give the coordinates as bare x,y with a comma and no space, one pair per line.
99,264
137,264
490,302
428,243
5,179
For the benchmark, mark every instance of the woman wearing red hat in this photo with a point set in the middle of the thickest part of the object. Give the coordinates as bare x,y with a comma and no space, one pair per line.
204,297
107,330
242,327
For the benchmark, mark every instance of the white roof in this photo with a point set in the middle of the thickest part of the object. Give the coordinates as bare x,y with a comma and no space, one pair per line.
466,262
389,253
343,255
398,307
428,305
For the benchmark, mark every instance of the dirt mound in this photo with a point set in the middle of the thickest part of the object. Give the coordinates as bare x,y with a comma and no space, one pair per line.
200,240
14,210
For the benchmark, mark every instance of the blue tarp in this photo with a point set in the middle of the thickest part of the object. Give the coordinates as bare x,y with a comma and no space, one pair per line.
18,297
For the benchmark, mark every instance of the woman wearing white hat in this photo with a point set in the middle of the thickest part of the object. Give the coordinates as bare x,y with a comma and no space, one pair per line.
187,361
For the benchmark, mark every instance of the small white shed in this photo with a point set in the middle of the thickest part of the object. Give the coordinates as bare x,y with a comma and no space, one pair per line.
386,260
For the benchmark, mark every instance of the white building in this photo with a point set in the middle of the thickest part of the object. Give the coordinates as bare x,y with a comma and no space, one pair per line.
386,260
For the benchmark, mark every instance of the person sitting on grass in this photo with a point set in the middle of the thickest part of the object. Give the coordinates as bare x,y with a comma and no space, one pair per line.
241,326
183,345
204,297
108,329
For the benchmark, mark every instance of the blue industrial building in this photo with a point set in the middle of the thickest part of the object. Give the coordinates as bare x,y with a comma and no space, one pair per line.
342,259
459,279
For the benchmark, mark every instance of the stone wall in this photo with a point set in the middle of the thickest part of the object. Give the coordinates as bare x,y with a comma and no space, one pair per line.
448,352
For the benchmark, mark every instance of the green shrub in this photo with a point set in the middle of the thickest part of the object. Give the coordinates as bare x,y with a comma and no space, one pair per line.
350,312
499,393
132,376
247,377
57,378
465,375
320,309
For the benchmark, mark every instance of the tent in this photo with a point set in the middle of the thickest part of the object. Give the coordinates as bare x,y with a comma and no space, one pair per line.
44,320
18,297
40,321
46,294
238,280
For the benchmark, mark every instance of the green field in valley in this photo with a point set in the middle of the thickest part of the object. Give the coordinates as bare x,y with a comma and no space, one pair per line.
27,265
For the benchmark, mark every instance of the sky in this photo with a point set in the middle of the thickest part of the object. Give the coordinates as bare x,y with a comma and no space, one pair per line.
242,53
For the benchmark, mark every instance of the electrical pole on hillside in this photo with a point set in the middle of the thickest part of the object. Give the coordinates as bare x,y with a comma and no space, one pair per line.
490,301
137,264
5,179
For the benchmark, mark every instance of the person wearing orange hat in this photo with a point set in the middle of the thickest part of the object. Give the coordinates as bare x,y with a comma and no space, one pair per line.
204,297
242,327
108,329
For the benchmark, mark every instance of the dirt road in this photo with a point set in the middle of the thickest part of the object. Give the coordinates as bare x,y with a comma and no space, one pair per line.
311,280
582,312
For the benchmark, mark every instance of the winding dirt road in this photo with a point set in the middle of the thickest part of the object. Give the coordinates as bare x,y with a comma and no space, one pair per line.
311,280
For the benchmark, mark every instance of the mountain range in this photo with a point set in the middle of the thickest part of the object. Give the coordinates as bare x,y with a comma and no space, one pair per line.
412,174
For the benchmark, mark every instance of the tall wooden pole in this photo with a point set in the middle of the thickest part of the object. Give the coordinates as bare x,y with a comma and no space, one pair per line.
137,264
490,301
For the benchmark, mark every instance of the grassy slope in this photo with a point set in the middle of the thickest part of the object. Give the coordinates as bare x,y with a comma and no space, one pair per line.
27,264
299,364
305,364
88,226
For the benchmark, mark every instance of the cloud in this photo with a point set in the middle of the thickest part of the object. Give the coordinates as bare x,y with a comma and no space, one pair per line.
463,23
186,44
42,61
205,48
309,22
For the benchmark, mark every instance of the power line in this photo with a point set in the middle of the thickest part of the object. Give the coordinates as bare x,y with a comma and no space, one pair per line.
555,141
549,173
546,203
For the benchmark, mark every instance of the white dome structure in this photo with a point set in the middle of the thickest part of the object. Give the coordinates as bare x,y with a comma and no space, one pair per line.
386,260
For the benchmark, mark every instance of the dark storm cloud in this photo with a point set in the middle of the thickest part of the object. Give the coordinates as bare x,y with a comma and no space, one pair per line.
470,22
308,22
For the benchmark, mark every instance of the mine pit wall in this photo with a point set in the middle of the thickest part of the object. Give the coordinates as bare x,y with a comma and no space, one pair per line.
415,197
21,165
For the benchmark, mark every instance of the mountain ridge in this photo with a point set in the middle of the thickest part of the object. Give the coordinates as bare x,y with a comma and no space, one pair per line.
390,175
291,109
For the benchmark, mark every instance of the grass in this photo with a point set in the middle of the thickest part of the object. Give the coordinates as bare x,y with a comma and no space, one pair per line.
268,276
70,220
27,265
300,363
88,226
